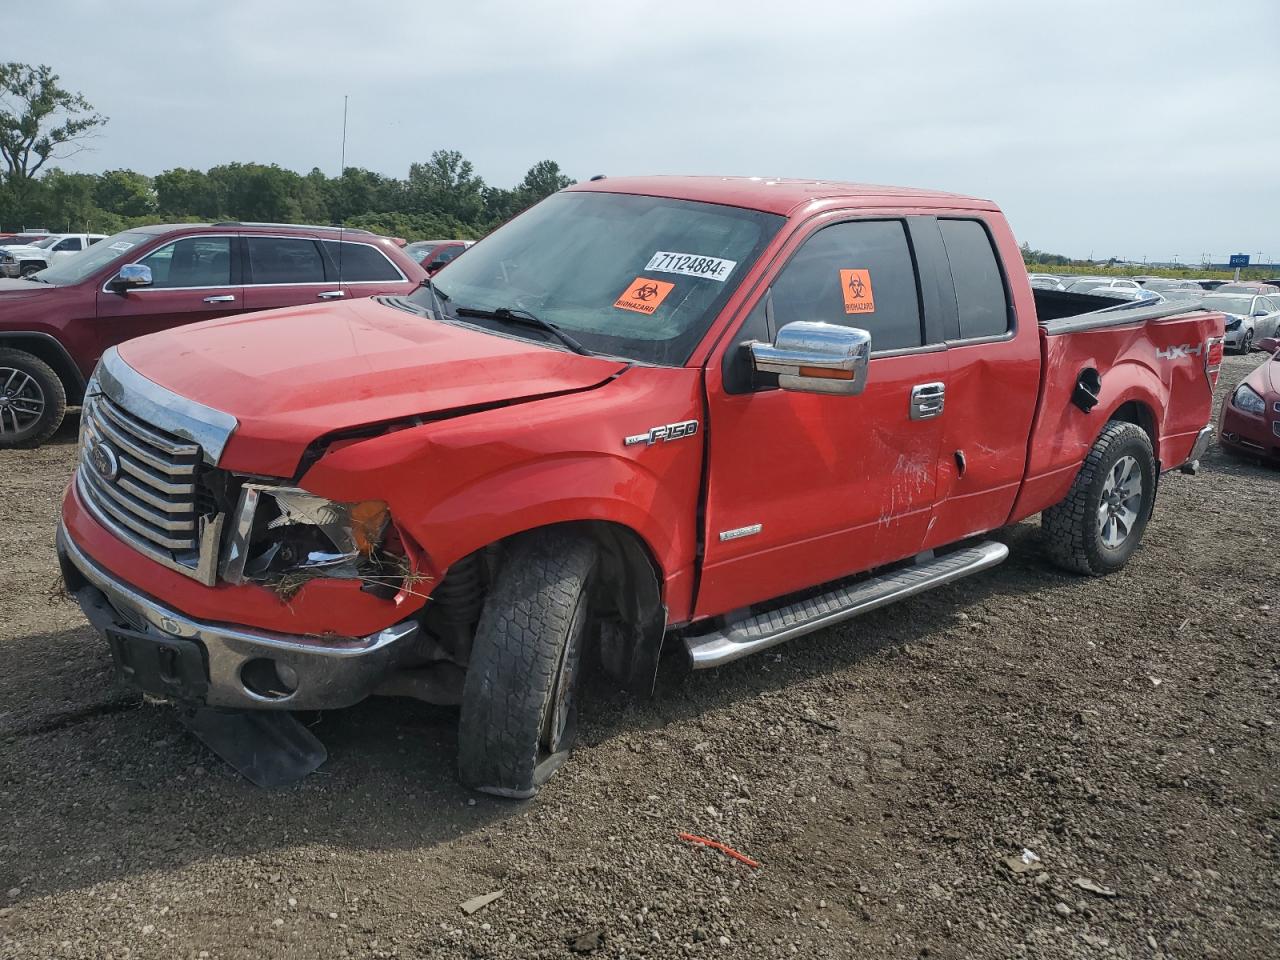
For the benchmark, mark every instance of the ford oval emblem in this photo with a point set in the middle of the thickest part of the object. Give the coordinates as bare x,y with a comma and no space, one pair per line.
104,461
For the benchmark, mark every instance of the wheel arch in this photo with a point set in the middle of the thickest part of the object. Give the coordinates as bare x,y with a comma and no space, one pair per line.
629,598
51,351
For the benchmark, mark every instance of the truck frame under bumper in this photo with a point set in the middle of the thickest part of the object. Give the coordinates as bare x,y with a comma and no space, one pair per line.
170,655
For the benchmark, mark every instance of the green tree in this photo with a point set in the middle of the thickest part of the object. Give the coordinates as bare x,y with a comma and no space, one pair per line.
39,120
543,179
125,193
446,185
182,193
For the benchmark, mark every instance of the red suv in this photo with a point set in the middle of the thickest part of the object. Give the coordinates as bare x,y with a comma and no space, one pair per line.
55,324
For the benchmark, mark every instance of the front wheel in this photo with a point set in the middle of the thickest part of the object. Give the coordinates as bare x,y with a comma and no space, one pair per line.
1099,525
1246,343
33,400
519,702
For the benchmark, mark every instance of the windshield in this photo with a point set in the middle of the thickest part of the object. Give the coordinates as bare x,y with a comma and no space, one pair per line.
45,242
628,276
1079,286
69,270
420,250
1240,305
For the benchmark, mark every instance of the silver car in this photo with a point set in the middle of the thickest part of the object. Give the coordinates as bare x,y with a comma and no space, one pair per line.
1249,318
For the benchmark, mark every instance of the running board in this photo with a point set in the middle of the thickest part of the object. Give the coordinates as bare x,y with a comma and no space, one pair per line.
744,637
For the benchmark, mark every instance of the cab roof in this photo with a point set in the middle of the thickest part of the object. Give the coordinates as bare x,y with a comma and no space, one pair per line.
772,194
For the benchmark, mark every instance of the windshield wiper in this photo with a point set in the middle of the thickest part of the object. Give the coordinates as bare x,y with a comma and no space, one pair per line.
436,297
529,320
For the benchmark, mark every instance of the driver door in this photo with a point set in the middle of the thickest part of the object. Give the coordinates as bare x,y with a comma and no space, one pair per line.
804,488
192,278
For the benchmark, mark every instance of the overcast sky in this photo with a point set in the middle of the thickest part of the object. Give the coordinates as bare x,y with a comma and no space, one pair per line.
1114,128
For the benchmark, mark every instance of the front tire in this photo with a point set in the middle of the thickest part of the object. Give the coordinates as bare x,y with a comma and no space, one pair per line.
33,400
1099,525
519,702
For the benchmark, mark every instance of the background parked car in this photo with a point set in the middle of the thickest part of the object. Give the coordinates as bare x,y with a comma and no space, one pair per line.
25,259
1249,318
1090,284
55,324
1211,284
1248,286
1250,423
1174,289
1045,281
434,254
1124,293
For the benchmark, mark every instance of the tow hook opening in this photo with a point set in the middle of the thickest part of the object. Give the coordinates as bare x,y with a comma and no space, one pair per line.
269,679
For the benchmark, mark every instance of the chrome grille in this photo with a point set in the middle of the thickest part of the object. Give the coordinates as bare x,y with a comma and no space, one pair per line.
141,482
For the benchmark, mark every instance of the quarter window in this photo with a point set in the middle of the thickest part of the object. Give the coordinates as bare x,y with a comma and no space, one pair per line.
191,262
856,274
980,295
360,263
285,260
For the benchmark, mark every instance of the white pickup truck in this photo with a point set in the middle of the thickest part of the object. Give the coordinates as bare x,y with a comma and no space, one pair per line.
26,259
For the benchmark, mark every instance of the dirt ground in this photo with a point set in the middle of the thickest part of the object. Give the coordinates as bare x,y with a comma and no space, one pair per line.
880,772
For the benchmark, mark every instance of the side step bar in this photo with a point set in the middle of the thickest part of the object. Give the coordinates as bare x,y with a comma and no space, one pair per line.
753,634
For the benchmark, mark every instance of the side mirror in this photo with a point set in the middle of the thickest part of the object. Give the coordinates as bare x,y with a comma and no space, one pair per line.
1260,313
1267,344
132,275
811,357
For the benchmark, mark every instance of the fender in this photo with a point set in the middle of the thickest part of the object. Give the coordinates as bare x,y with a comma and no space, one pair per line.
49,349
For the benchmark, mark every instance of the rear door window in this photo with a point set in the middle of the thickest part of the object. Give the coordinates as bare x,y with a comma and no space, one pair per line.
191,262
359,263
284,260
981,300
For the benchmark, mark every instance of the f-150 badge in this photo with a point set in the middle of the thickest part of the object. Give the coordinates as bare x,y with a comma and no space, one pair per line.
672,431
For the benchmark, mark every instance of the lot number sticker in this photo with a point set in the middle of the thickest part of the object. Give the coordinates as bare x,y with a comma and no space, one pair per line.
691,265
644,295
856,285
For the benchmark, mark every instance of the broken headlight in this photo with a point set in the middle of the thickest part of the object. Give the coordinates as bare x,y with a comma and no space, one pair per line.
284,537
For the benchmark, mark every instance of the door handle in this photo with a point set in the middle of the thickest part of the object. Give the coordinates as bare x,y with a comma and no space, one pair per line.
331,294
225,298
928,400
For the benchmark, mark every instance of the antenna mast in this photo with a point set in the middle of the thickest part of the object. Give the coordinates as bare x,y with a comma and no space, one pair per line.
342,169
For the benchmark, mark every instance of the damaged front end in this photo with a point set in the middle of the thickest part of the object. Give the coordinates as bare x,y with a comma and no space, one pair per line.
284,537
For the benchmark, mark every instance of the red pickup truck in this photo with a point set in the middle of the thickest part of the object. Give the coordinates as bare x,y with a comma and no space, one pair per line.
721,412
55,323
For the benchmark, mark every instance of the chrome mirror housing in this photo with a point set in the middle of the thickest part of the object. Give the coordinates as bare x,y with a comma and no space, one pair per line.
134,275
812,357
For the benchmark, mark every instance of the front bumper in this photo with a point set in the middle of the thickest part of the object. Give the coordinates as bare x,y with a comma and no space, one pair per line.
10,269
1256,436
172,655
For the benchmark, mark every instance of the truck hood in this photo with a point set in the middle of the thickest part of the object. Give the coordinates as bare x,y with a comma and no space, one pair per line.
291,376
11,289
24,251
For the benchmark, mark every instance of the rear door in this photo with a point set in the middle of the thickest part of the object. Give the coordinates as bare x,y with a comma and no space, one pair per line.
993,377
192,278
285,271
363,269
803,488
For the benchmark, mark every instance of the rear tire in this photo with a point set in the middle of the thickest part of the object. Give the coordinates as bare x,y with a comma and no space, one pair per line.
1099,525
33,400
519,702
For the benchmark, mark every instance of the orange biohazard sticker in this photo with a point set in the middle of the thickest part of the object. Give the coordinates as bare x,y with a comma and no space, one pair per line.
856,285
644,295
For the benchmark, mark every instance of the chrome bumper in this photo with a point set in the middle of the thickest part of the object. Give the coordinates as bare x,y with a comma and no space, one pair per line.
325,674
10,269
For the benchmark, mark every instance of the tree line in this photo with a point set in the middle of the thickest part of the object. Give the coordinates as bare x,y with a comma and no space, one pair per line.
40,123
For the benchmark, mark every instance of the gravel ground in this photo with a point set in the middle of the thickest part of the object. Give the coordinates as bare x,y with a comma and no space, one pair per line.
880,772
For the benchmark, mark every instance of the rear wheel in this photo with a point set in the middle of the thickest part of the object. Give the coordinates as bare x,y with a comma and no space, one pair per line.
33,400
519,703
1099,525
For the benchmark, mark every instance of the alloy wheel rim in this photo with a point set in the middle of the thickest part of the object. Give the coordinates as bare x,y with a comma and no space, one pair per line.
1121,503
21,401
